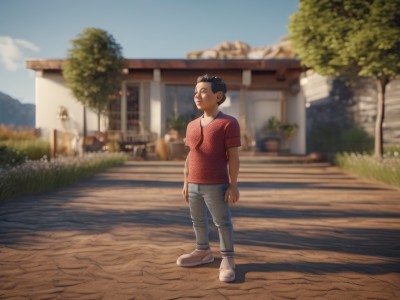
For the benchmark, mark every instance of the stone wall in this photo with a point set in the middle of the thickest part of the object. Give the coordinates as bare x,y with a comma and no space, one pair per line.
364,105
392,117
350,104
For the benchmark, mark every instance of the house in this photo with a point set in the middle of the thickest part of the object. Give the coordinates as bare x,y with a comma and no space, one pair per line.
154,90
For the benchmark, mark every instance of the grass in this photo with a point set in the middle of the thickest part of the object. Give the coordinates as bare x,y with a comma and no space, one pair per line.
33,149
42,175
386,169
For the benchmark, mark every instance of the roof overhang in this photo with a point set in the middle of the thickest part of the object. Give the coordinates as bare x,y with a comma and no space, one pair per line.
275,64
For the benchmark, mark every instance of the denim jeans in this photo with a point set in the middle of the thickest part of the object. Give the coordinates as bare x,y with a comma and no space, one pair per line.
211,197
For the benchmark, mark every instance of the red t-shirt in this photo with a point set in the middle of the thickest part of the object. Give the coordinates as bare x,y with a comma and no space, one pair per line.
208,160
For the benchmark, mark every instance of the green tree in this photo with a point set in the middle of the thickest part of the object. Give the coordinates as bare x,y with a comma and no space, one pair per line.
93,70
355,37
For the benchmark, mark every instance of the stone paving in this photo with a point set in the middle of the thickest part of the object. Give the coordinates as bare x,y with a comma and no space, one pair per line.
302,231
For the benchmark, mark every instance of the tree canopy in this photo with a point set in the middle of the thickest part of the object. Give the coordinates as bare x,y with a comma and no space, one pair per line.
93,68
361,37
341,36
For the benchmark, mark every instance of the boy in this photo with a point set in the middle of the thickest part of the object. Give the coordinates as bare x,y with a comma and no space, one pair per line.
210,175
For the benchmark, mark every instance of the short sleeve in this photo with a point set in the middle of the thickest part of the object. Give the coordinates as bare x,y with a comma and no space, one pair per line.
232,134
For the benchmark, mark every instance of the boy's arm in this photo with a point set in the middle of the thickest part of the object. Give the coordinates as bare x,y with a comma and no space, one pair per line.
185,179
232,194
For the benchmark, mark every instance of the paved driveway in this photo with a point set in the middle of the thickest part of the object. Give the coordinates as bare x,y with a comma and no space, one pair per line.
302,231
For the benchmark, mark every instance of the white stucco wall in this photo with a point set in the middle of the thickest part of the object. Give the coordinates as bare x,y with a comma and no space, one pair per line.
157,104
51,92
296,113
262,105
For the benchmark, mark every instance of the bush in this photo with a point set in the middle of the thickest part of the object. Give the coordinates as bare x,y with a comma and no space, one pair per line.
39,176
10,157
356,140
329,137
32,149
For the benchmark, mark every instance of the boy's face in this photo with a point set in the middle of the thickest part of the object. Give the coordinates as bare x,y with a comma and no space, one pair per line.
204,98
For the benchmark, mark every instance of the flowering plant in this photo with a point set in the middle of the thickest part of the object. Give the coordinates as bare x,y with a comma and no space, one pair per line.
386,169
41,175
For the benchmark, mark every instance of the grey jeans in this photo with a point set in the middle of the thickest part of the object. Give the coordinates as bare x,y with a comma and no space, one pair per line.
211,197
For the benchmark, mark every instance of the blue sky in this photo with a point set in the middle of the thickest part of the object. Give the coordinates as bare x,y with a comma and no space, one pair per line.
43,29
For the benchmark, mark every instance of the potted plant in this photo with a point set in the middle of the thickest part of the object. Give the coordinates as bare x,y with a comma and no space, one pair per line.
272,139
289,130
176,125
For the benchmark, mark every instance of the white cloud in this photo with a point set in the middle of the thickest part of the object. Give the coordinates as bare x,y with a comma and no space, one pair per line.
12,52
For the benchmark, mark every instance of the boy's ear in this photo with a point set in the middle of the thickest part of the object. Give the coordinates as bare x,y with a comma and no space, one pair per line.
219,96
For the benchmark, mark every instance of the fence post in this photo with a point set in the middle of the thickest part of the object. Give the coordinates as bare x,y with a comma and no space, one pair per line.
53,144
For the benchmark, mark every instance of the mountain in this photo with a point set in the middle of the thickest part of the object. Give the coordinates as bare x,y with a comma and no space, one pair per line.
13,112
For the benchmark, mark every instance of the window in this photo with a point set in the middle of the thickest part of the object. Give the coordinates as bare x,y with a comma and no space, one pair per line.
114,112
132,108
179,102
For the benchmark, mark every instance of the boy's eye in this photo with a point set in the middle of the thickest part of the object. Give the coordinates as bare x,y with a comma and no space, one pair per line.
202,91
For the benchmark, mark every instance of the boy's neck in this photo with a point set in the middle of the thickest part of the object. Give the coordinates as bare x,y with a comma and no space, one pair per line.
211,113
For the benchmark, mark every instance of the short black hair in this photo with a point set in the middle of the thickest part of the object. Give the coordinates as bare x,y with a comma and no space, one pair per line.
217,85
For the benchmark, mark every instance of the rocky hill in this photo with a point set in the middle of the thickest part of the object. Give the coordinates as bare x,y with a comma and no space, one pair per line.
241,50
15,113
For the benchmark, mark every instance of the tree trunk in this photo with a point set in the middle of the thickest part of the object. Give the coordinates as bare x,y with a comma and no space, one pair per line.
380,115
98,121
84,129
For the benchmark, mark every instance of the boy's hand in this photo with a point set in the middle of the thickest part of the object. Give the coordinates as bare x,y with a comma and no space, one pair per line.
185,193
232,195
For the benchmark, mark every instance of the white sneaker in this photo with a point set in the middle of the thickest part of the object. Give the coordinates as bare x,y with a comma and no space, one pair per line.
196,258
227,269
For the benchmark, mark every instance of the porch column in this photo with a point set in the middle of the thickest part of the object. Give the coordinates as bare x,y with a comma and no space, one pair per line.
157,105
296,112
243,110
142,110
283,102
246,82
302,123
123,110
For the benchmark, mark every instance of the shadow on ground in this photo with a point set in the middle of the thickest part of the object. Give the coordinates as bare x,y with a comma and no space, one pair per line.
314,268
27,216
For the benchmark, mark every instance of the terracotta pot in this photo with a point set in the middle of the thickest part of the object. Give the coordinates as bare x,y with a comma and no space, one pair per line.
272,146
175,134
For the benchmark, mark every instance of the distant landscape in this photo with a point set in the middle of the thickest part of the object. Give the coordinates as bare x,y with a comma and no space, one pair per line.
15,113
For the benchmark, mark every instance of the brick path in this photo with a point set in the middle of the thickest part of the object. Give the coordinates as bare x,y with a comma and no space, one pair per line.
302,231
